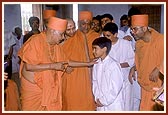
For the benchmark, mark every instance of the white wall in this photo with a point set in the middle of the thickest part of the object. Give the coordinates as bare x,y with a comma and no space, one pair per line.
12,16
162,20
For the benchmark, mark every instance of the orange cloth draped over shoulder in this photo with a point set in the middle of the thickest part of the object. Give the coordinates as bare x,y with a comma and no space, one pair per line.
12,97
77,92
161,69
46,93
91,36
147,57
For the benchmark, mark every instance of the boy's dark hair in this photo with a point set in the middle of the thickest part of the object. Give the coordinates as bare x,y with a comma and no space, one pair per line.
98,17
103,42
111,27
124,17
107,16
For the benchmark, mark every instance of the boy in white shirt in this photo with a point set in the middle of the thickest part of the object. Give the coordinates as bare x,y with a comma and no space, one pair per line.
107,78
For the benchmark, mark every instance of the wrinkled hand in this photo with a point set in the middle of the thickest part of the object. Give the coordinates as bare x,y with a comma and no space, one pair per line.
129,38
154,75
131,75
58,66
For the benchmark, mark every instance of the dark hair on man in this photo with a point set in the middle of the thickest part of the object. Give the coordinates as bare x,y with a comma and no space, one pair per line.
33,18
103,42
98,17
133,11
124,17
107,16
111,27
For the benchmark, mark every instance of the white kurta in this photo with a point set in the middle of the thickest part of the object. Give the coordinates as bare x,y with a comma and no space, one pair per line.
122,51
15,58
136,86
128,33
108,85
8,41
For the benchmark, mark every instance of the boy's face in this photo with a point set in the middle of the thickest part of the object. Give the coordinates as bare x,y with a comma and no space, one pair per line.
104,21
99,52
108,35
95,25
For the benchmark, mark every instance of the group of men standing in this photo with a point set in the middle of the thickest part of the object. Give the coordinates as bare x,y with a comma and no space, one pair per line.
56,64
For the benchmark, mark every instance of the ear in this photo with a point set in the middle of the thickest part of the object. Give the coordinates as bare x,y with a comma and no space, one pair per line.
145,29
105,49
115,35
112,21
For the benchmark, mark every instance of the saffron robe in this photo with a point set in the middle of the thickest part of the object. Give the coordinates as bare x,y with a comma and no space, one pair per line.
147,57
46,93
77,92
12,97
91,36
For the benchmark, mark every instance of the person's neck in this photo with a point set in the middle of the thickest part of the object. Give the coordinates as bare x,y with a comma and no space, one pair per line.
103,57
114,40
147,37
35,31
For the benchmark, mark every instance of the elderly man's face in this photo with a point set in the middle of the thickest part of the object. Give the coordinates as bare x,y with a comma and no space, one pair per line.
54,37
138,32
85,25
71,29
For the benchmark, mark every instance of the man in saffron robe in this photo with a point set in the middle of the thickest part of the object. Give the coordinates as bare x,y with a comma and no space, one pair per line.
77,91
149,53
12,100
41,68
89,35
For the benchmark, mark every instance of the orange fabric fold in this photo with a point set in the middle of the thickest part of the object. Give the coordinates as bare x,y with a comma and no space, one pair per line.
77,92
12,97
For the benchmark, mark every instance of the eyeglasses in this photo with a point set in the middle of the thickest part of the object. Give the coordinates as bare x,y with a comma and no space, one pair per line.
135,29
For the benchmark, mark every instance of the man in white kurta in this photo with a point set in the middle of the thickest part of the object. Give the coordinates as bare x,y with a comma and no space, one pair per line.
18,37
122,52
108,85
